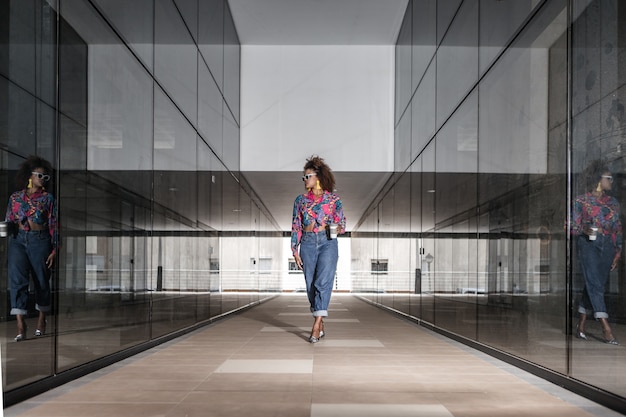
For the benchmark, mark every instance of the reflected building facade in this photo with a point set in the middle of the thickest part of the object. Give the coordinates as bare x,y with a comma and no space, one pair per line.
499,108
137,105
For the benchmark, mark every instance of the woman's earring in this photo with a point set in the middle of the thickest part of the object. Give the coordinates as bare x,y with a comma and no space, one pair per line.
30,183
599,187
317,185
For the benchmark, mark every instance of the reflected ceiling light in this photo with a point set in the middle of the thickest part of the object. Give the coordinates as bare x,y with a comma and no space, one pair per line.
173,189
430,191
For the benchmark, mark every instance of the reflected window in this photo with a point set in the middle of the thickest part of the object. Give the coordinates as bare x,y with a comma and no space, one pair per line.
293,267
380,266
265,265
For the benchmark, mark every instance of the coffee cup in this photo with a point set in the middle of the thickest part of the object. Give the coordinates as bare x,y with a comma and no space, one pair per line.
333,231
594,233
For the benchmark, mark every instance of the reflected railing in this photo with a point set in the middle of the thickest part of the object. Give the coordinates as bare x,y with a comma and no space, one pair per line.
440,282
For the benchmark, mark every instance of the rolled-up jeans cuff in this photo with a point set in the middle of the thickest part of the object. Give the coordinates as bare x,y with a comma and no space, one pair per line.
320,313
43,309
583,310
18,312
600,315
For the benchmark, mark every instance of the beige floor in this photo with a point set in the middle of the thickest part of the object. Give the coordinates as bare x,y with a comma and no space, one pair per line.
259,363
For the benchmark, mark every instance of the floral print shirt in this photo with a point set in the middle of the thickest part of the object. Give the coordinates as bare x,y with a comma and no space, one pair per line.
39,208
310,209
601,212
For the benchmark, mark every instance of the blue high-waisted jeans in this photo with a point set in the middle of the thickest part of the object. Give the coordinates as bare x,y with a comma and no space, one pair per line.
28,252
596,257
319,257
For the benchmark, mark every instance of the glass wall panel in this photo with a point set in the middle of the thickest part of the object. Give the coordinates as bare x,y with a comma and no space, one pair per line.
175,58
518,190
19,118
416,264
270,265
174,160
402,142
446,10
73,77
134,21
106,100
456,161
175,197
27,126
598,55
428,233
455,202
402,245
206,182
119,111
230,242
211,37
231,142
423,38
21,363
457,60
383,265
189,11
210,104
248,282
207,243
423,111
403,67
232,65
28,47
364,249
28,69
500,20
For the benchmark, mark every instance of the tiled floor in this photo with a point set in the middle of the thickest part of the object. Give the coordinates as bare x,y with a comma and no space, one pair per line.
259,363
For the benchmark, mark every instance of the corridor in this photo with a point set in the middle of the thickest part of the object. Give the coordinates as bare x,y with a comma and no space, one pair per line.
258,363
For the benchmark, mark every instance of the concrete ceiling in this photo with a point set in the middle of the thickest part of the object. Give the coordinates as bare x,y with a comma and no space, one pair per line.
317,22
278,191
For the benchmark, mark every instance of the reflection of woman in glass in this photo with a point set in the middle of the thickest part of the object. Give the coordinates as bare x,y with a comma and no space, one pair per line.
313,214
599,245
31,251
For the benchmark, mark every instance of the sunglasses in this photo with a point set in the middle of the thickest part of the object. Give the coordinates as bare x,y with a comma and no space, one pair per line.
41,176
307,176
608,177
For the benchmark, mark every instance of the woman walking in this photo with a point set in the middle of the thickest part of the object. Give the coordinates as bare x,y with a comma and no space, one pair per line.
32,212
316,214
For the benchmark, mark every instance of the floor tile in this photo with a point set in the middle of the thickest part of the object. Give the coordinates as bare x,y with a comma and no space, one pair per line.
377,410
267,366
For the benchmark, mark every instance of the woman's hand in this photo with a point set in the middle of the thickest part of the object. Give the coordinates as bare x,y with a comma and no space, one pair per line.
589,231
615,261
50,260
298,260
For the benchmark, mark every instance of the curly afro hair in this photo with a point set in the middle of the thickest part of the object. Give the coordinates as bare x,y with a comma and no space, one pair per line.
323,172
28,166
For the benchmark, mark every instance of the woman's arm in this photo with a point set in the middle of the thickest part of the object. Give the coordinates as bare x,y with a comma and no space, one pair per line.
296,226
338,217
